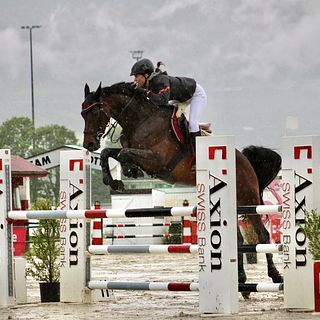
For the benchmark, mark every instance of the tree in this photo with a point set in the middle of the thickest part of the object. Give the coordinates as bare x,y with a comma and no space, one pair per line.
16,134
53,136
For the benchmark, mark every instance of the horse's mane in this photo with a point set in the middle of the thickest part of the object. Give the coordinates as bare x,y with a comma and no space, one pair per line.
125,88
128,89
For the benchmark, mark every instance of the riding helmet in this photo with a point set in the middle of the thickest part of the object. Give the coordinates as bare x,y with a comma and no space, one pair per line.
141,67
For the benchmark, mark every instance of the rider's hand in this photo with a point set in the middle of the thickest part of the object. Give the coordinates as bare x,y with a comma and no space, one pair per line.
133,85
141,91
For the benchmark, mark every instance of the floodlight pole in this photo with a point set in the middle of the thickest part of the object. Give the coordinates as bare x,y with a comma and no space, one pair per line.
136,54
30,28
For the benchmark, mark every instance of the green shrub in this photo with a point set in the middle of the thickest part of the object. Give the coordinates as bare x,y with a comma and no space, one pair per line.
44,253
311,229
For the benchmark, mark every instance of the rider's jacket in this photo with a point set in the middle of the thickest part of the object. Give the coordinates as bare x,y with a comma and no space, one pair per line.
163,88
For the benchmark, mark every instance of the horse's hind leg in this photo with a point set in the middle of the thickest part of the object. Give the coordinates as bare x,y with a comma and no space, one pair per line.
242,277
264,237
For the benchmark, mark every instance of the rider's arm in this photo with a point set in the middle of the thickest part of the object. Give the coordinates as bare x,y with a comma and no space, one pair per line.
159,92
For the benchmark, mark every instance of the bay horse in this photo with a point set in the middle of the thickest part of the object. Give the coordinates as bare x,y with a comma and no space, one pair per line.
149,144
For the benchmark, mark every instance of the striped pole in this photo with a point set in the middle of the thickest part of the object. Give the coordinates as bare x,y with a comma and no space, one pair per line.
97,229
176,286
152,286
132,236
261,248
260,287
184,248
131,213
129,225
105,249
108,213
259,209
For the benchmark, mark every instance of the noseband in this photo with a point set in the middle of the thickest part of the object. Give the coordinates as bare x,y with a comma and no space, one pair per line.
101,129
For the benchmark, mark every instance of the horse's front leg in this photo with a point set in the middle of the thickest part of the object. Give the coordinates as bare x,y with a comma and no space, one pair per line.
106,174
145,159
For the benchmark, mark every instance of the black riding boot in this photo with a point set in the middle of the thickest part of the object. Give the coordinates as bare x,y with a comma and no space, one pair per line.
193,136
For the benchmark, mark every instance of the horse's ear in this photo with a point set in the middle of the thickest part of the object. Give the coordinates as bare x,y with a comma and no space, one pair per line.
86,90
99,90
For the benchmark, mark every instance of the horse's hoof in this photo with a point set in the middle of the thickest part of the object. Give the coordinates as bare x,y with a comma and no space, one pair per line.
245,295
127,172
117,185
137,173
276,277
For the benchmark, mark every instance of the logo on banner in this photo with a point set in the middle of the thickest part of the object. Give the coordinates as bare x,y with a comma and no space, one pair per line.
216,185
303,152
209,216
301,186
76,164
297,150
214,149
69,251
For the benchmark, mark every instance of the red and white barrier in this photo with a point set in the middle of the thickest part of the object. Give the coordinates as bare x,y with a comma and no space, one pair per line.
217,248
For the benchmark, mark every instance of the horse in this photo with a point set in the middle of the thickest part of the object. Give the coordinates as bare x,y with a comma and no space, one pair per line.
149,144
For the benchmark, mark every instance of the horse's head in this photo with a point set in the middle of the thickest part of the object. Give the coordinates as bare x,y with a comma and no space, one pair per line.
95,117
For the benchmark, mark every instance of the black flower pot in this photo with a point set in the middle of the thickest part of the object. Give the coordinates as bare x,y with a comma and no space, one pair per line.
50,292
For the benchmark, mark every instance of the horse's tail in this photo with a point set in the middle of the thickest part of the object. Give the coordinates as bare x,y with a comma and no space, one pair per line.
266,164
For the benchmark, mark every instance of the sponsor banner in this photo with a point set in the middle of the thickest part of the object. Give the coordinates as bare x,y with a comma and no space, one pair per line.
217,225
300,193
74,195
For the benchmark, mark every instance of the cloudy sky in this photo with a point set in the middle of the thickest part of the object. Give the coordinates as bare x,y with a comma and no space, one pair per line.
258,60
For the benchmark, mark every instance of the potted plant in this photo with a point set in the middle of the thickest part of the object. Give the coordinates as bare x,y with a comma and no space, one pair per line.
311,229
44,253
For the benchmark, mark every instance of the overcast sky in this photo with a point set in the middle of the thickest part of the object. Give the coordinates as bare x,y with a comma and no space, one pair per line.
258,60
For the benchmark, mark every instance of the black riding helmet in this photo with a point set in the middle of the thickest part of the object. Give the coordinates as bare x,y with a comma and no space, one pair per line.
141,67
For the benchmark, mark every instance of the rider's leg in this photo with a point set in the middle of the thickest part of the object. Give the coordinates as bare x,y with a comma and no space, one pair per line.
197,105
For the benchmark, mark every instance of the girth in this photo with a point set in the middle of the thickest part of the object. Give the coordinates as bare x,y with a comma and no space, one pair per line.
165,174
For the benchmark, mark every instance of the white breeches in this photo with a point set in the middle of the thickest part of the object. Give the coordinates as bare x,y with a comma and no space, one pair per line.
198,102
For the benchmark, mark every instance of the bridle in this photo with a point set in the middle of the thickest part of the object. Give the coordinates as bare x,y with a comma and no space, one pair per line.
101,127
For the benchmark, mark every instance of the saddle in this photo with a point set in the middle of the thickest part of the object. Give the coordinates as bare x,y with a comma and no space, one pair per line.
180,124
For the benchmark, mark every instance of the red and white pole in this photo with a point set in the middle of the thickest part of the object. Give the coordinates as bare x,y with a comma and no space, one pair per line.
97,228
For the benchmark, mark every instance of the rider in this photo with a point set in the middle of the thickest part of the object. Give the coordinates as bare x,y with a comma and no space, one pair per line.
161,88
